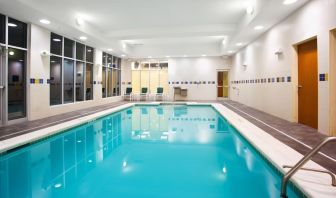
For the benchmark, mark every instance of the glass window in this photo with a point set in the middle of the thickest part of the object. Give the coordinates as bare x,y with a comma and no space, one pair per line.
119,83
109,82
109,60
89,82
89,54
17,33
104,82
119,63
115,61
55,80
69,48
2,28
68,81
80,51
104,58
56,44
79,81
16,83
114,82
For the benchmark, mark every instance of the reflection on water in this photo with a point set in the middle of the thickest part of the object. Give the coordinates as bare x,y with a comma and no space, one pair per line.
145,151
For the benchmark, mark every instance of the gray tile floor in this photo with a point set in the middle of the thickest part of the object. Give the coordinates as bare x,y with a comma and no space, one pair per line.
274,126
267,122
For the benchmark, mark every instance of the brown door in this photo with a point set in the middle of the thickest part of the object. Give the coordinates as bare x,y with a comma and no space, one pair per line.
308,81
220,77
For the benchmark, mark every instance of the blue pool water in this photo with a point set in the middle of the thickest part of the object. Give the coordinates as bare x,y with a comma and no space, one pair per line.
144,151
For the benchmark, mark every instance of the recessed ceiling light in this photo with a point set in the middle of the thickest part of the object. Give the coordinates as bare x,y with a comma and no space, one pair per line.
230,52
167,56
83,38
57,40
239,44
45,21
250,9
259,27
203,55
123,55
11,53
288,2
184,55
110,50
79,21
12,25
149,56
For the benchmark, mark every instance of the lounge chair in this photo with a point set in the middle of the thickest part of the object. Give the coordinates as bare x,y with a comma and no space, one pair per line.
128,93
144,93
159,93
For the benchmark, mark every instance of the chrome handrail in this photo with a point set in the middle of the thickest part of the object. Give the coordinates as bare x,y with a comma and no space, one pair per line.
302,162
333,177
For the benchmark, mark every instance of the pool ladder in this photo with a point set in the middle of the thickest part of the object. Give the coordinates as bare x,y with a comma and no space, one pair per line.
302,162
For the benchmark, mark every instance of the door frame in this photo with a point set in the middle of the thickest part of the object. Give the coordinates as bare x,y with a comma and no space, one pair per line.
295,77
332,83
223,70
5,46
3,90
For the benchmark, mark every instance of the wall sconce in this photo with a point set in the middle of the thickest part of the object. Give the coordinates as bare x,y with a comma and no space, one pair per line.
278,52
244,65
45,54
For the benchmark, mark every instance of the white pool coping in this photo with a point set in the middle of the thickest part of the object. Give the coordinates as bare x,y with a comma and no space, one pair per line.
311,184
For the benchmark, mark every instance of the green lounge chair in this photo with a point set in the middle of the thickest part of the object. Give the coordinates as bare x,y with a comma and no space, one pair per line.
128,93
159,93
144,93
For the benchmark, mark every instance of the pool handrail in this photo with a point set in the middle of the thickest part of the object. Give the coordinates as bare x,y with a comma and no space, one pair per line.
302,162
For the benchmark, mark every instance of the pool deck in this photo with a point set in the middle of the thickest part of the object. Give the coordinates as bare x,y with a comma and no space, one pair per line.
297,136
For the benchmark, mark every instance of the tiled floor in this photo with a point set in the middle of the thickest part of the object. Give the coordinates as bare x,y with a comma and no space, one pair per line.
267,122
26,127
274,126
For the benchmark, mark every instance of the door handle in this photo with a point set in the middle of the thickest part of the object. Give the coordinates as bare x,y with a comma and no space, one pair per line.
299,86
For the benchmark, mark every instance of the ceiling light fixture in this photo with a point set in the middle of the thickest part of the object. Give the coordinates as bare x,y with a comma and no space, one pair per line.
110,50
83,38
12,25
79,21
184,55
230,52
11,53
149,57
239,44
45,21
288,2
250,9
123,55
259,27
167,56
203,55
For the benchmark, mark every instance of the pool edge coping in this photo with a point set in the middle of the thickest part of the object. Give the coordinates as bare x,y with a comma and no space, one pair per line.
304,182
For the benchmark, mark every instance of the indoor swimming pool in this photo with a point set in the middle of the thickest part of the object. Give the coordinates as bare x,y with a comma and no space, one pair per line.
142,151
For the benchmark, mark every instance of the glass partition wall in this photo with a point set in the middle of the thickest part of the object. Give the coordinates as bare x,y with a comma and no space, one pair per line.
111,75
71,71
151,74
13,66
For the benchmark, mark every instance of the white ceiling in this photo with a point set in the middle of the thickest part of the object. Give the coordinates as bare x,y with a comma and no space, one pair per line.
157,28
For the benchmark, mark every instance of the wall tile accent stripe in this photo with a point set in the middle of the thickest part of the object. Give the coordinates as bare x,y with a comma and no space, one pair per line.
264,80
323,77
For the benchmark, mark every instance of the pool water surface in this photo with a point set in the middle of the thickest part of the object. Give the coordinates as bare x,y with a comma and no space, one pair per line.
142,151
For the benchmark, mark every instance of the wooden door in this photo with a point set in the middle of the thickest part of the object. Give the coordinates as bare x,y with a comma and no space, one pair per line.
308,83
220,78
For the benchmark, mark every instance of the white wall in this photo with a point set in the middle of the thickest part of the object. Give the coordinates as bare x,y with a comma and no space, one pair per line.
190,69
315,19
39,68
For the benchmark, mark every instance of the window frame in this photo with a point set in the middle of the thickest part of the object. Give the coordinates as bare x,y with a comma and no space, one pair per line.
75,60
114,67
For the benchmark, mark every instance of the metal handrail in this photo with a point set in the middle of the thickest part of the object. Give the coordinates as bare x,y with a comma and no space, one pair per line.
302,162
333,177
